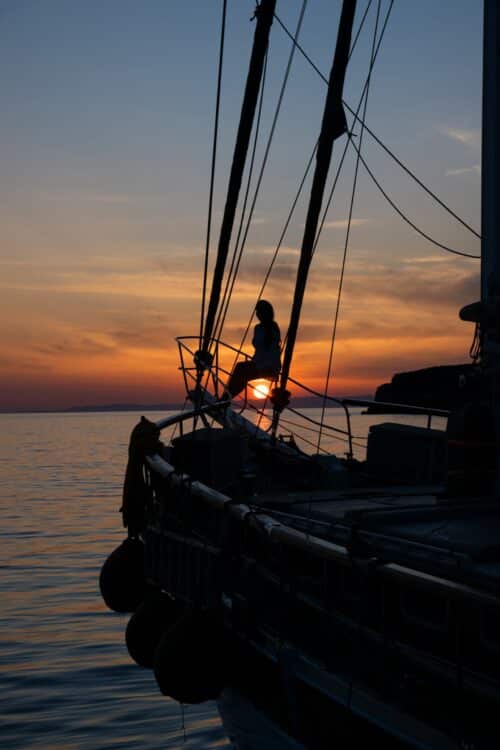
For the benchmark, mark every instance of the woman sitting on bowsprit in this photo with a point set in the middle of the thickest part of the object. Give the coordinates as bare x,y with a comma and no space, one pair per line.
265,362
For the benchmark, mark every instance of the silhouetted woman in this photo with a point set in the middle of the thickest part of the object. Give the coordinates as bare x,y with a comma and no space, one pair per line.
265,362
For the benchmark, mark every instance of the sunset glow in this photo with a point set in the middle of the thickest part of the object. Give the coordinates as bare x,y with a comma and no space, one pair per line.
105,193
261,389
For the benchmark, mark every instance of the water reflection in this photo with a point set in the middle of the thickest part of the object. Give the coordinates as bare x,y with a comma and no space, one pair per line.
66,678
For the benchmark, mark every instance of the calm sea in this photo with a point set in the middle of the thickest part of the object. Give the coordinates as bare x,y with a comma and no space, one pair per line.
66,680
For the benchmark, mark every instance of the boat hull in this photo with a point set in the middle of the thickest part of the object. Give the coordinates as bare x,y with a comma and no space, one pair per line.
329,639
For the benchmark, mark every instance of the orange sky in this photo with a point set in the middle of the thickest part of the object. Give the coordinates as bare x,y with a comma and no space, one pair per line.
88,333
105,147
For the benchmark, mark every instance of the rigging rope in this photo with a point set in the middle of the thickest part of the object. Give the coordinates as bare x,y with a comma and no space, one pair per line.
302,427
333,126
212,170
315,422
388,151
360,29
235,260
265,158
341,162
301,185
360,103
264,15
296,45
374,55
404,217
365,127
280,242
366,92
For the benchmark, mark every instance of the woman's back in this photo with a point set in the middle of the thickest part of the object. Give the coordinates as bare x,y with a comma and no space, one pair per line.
266,341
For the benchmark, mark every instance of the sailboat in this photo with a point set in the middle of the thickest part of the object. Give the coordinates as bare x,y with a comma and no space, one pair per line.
321,599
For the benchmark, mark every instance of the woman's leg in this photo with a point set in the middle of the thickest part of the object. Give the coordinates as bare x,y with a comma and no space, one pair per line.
242,373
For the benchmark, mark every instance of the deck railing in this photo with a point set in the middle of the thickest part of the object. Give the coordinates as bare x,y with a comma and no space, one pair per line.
213,376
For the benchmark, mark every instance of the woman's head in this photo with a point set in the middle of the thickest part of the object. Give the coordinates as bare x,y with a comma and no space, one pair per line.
264,311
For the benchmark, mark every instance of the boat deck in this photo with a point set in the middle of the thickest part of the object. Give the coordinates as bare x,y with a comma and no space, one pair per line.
415,526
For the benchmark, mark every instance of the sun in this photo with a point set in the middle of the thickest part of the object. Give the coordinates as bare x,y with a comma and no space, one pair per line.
261,389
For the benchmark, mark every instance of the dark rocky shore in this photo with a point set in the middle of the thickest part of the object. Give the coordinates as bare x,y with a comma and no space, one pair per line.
442,387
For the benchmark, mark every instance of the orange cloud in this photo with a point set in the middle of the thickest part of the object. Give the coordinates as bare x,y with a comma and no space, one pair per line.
98,330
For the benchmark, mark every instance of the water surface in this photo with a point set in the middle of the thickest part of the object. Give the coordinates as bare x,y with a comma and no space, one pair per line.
66,680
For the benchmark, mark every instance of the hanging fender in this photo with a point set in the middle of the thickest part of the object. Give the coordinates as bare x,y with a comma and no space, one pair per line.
121,580
156,613
191,659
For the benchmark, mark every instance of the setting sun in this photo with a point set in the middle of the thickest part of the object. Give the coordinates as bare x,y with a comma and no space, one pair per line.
261,389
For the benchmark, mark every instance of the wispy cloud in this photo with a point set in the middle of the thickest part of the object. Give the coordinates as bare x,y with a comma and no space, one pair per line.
88,345
256,220
108,197
88,196
476,169
427,289
426,260
343,223
284,251
470,137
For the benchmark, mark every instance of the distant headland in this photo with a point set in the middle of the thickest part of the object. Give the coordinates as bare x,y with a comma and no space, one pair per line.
438,387
305,402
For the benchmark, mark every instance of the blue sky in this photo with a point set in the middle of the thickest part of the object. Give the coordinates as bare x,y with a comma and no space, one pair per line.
107,117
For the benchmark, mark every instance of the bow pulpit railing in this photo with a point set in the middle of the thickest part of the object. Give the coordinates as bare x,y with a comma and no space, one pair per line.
207,394
208,374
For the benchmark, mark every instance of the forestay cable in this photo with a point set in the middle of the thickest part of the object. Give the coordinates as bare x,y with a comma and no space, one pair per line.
236,256
266,154
390,153
373,56
264,15
404,217
333,125
212,170
295,44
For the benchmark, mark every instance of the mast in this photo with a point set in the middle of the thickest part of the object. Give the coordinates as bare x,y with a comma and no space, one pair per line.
264,16
333,125
486,313
490,167
490,205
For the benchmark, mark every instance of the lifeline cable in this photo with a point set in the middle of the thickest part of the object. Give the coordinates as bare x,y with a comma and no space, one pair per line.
351,208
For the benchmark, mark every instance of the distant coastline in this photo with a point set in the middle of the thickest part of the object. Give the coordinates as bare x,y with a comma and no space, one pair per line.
305,402
80,409
436,387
